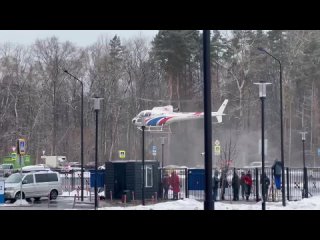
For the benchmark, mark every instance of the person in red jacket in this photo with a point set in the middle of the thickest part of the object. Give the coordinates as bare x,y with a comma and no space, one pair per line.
248,183
175,185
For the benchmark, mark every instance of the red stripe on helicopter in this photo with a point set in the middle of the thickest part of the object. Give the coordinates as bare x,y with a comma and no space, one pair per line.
164,120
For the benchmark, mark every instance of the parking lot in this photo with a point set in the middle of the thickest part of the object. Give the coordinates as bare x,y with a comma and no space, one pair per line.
62,203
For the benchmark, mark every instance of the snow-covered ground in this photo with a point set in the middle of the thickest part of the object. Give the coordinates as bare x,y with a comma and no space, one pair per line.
191,204
312,203
20,203
86,193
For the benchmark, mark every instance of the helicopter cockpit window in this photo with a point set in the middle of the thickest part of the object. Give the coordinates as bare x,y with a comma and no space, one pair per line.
147,114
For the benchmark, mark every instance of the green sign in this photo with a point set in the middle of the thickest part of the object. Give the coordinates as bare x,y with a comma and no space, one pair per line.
122,154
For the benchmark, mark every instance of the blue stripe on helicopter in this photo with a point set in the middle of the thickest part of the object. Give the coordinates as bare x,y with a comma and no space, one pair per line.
153,122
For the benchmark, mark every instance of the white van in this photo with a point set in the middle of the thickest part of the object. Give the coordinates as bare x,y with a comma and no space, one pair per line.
34,185
35,168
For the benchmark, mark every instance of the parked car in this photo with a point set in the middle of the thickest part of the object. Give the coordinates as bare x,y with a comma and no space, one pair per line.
72,167
34,185
7,169
35,168
258,164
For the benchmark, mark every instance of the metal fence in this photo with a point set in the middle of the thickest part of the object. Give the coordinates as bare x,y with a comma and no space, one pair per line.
72,181
183,182
293,176
192,183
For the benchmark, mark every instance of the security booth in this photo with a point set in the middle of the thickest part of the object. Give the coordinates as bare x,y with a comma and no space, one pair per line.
125,177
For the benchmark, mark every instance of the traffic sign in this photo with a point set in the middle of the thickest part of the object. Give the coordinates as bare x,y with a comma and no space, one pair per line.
21,146
154,150
217,150
122,154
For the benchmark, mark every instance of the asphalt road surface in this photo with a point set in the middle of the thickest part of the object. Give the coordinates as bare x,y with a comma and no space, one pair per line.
62,203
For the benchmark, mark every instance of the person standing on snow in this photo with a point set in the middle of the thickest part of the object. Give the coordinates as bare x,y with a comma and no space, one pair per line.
175,184
243,185
248,182
277,172
235,185
266,185
165,185
215,185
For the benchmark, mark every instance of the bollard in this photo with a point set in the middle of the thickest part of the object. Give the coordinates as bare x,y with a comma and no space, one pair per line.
111,196
78,193
87,186
152,199
74,201
124,199
156,196
132,195
48,200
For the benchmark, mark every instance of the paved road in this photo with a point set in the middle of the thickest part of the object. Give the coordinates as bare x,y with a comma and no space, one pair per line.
62,203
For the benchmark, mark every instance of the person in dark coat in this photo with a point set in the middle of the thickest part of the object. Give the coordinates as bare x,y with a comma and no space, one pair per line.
165,185
223,182
215,185
277,172
266,184
175,184
243,185
235,186
248,182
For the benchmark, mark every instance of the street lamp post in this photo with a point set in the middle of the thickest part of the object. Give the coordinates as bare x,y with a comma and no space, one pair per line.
82,179
262,95
96,109
281,125
208,201
143,178
162,165
162,155
305,180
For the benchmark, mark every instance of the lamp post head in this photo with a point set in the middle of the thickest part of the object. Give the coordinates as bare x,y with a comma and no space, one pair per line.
262,88
303,135
143,122
96,103
261,49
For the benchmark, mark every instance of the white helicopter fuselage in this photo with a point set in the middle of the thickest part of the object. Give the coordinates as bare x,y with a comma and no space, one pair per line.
160,116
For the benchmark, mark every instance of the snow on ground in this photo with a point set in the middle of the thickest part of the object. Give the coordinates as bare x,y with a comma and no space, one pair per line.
19,202
186,204
75,192
191,204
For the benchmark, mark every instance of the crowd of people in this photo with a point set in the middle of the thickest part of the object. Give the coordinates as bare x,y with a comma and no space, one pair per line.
171,182
241,185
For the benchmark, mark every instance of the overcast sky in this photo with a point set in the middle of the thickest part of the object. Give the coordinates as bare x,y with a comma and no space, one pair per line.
81,38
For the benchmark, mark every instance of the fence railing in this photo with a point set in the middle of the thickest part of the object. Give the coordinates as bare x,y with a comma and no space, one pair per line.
191,184
293,176
72,181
